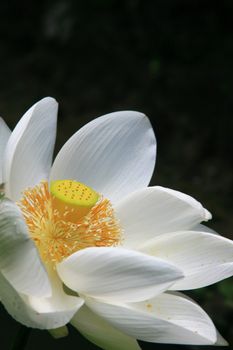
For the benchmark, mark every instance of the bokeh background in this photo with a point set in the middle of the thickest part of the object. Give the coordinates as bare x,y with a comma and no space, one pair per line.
171,59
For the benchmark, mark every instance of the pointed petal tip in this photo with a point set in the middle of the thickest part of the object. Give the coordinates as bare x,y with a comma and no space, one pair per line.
174,320
31,143
220,341
204,257
49,101
128,111
116,270
207,215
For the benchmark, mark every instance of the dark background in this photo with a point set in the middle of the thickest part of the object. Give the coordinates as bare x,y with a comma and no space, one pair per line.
169,59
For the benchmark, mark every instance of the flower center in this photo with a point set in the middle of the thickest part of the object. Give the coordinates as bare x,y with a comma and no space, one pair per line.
68,217
72,198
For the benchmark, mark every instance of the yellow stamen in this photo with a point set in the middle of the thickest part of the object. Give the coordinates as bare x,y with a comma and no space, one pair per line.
56,225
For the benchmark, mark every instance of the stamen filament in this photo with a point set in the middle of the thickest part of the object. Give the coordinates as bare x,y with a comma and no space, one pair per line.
59,231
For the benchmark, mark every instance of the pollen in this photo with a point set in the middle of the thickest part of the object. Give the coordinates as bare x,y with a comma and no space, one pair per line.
68,217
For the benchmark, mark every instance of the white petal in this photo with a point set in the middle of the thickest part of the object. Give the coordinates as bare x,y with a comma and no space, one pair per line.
156,210
220,340
19,259
113,154
4,136
29,150
166,318
101,333
113,273
204,228
39,313
204,258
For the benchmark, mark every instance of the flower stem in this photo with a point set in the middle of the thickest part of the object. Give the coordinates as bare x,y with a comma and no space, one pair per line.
21,338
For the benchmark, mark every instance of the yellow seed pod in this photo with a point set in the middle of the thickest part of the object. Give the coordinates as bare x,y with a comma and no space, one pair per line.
72,196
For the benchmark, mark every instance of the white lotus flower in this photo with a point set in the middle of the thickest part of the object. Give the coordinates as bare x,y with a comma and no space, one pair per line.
90,222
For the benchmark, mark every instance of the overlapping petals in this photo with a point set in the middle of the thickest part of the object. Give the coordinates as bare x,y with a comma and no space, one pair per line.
4,137
125,289
19,259
204,258
42,313
170,229
101,333
29,151
167,318
118,274
153,211
114,154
